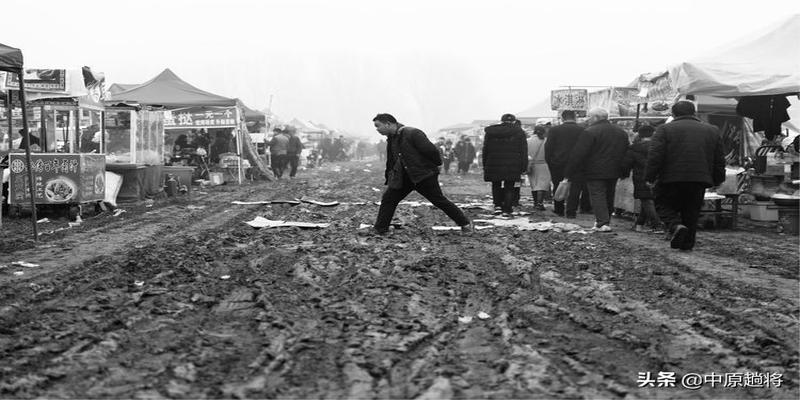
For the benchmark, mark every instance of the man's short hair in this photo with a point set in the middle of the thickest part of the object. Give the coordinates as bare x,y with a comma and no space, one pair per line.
599,113
385,118
508,118
683,108
568,114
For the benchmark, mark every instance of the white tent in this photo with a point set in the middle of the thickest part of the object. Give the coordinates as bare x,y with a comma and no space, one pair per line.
767,63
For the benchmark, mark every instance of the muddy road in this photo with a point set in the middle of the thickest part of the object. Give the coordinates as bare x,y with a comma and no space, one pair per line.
184,300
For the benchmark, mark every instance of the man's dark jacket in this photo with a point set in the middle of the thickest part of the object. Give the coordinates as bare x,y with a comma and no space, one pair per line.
410,150
464,151
686,150
561,139
505,153
598,153
295,146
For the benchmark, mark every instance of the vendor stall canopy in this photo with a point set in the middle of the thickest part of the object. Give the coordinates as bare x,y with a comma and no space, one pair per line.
10,58
170,91
767,63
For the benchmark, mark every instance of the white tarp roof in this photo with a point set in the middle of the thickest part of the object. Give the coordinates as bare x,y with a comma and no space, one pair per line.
766,63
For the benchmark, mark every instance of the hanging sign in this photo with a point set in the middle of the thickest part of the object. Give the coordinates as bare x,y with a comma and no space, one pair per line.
569,99
200,117
42,80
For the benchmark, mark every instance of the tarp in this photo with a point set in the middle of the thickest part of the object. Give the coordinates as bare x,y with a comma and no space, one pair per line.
10,58
170,91
767,64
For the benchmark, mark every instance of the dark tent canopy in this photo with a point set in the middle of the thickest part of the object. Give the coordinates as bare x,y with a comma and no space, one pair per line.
170,91
10,58
253,115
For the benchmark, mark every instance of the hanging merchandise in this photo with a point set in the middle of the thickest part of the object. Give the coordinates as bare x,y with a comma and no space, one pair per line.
767,112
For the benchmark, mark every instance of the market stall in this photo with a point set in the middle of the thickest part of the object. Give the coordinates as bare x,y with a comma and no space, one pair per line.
186,128
67,112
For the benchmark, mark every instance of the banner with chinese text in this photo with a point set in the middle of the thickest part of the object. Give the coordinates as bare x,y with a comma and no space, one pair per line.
42,80
201,117
58,178
569,99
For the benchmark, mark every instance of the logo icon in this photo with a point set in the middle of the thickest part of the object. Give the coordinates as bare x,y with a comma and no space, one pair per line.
17,166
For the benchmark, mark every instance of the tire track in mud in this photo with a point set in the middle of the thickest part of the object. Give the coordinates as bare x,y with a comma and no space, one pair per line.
168,223
660,308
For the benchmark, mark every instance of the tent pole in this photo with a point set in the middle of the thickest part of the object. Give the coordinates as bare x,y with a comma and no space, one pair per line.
239,143
102,132
10,129
28,152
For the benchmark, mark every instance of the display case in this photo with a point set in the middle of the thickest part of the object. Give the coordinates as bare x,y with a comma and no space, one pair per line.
134,136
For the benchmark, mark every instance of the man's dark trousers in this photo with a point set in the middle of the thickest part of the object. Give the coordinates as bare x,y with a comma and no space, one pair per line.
679,203
503,195
428,188
294,161
602,193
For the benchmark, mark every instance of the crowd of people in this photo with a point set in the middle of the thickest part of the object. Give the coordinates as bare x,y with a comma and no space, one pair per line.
671,166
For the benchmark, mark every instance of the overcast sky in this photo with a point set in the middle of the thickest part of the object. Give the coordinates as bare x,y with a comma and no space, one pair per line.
430,63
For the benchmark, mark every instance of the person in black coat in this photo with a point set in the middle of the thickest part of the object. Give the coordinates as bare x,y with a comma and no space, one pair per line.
598,158
505,160
686,157
465,154
561,139
636,160
412,163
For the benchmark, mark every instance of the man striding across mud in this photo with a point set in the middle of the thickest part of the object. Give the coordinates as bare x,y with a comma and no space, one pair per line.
412,163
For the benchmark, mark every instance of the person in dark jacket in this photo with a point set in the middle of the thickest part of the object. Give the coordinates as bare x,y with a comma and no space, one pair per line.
636,160
686,157
412,163
465,154
599,154
561,139
505,160
293,150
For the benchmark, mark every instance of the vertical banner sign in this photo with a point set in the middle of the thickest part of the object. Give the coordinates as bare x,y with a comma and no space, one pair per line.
569,99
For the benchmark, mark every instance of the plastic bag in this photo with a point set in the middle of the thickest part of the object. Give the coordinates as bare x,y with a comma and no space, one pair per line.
562,191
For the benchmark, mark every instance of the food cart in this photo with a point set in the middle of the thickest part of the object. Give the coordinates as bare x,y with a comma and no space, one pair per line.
65,113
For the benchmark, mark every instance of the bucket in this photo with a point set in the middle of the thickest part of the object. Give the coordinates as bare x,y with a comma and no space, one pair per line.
789,220
216,178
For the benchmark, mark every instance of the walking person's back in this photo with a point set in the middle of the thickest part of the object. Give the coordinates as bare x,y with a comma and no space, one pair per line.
598,158
686,157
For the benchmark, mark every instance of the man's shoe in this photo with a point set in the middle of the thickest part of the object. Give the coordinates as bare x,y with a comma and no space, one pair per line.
679,237
642,229
560,214
497,211
604,228
468,228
